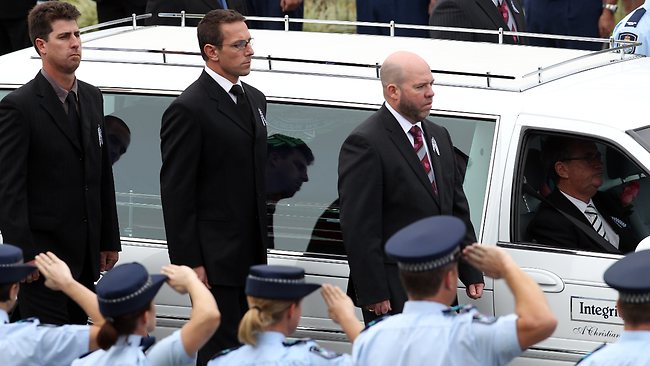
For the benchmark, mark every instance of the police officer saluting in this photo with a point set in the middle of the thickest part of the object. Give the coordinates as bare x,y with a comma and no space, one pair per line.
27,342
125,295
429,332
274,295
629,277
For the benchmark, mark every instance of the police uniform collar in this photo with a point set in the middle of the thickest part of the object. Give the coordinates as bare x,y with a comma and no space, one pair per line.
278,283
427,244
270,338
624,277
424,307
12,267
132,340
635,336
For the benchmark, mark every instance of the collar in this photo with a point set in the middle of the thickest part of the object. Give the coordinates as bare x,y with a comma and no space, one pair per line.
269,338
223,82
428,307
635,335
4,317
61,92
578,203
132,340
403,122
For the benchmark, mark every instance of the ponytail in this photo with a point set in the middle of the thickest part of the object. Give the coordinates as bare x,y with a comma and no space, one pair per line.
120,326
261,314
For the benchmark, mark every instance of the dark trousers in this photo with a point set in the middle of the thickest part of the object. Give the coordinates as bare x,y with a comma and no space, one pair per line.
232,305
271,8
51,307
116,9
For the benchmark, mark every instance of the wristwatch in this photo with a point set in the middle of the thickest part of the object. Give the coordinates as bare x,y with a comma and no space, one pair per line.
610,7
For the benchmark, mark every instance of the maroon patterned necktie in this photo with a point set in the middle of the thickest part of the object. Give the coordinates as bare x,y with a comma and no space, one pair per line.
420,150
503,9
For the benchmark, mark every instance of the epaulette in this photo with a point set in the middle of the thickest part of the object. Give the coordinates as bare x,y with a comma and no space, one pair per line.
28,320
591,353
88,353
146,343
296,341
634,19
324,353
458,309
483,319
374,322
225,352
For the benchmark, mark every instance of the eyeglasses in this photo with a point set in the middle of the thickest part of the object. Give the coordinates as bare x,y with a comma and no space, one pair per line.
240,45
589,158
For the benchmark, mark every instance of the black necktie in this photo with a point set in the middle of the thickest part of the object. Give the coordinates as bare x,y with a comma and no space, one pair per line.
73,115
242,103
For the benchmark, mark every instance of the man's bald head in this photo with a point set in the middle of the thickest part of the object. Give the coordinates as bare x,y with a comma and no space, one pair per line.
407,85
398,64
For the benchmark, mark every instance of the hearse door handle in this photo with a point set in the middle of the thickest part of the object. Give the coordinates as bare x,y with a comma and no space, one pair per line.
547,281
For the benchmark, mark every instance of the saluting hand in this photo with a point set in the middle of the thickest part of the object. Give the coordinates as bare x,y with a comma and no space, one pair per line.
491,260
180,278
57,273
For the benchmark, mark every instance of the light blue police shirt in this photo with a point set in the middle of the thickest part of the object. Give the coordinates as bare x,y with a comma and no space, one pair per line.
427,333
127,351
271,349
28,343
635,27
630,350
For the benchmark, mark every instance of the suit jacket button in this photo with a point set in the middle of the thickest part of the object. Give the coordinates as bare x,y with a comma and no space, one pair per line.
85,188
85,220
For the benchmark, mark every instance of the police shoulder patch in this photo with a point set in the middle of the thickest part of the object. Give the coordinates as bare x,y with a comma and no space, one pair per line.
324,353
297,341
225,352
374,322
628,36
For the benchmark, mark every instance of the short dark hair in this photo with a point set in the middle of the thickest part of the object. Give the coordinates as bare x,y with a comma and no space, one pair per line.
634,314
558,148
284,145
421,285
42,16
209,29
5,289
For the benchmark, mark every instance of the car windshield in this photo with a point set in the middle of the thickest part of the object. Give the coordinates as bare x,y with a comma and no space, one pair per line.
642,135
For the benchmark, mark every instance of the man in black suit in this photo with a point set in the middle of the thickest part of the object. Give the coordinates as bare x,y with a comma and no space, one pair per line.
213,143
56,186
577,170
479,14
384,184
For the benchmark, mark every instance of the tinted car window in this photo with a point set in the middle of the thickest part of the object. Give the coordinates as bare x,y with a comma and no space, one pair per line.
304,142
624,190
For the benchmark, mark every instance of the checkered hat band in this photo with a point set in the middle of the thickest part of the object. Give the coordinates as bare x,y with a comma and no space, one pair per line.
129,296
7,265
430,265
278,280
632,298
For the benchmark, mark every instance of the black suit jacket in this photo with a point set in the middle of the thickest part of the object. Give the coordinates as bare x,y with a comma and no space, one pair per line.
475,14
383,188
551,227
56,192
212,181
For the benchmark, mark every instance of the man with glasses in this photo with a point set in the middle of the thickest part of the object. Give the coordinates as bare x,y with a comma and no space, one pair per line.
213,144
575,214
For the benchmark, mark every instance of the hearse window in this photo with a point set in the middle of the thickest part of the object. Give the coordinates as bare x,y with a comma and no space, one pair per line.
302,170
560,175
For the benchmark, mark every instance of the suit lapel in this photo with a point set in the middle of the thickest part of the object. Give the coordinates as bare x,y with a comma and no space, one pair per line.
403,145
259,121
434,158
492,12
563,203
225,104
51,103
85,117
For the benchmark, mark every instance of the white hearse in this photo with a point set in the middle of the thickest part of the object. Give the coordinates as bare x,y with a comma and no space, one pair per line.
499,102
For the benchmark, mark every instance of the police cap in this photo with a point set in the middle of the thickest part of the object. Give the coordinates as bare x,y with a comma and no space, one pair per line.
278,282
626,276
